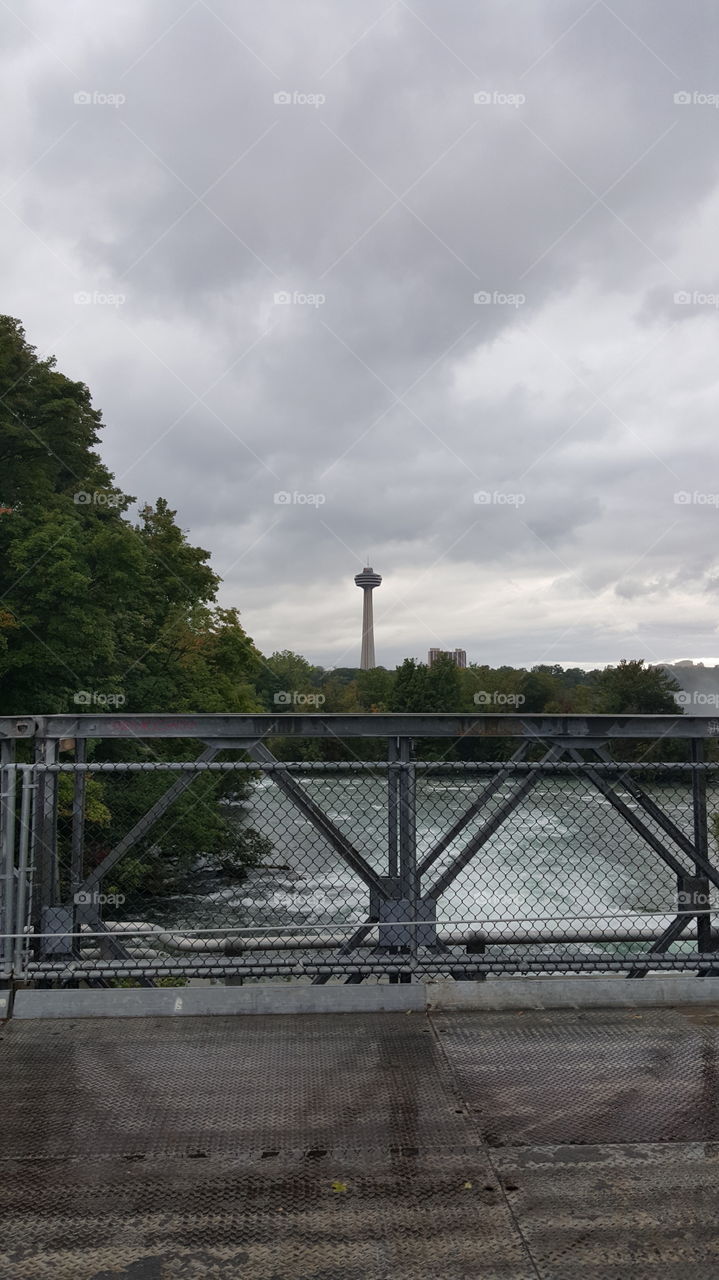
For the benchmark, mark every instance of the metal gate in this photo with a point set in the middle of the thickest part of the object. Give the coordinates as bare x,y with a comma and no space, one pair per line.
557,858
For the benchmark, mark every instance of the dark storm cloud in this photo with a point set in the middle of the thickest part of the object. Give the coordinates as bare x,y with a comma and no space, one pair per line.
575,200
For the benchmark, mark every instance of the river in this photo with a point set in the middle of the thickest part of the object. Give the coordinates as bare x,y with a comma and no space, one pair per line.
563,852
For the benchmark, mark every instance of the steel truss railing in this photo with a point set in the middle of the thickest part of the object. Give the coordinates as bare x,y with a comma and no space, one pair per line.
53,925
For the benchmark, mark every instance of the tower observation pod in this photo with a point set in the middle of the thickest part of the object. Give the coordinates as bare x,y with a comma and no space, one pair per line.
367,580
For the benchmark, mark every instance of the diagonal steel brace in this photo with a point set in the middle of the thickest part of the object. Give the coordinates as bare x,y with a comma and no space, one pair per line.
319,819
465,818
143,825
642,829
475,844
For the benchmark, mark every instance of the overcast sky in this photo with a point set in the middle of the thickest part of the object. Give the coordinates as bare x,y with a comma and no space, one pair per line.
496,227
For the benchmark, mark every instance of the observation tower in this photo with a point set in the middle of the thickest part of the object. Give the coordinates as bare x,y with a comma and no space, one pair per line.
367,580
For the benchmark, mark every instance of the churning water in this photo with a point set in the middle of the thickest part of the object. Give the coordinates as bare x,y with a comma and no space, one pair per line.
564,851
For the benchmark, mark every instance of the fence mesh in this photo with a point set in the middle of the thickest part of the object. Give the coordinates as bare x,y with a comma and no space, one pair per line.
164,871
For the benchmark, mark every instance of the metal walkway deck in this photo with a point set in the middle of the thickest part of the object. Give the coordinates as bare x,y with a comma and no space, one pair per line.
563,1145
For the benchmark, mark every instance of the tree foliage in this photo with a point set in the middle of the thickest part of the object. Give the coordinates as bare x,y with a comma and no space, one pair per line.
633,689
99,611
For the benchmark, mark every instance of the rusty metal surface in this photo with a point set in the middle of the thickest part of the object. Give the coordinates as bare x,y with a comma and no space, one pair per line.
226,1086
361,1147
592,1076
634,1212
343,1215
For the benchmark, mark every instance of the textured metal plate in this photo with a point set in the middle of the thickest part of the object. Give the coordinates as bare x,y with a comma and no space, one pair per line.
616,1212
226,1086
596,1076
348,1147
333,1217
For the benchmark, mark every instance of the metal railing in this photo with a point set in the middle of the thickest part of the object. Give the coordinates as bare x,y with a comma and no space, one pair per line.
118,865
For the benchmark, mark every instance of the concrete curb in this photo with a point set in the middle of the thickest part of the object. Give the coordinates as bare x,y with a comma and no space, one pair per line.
573,992
139,1002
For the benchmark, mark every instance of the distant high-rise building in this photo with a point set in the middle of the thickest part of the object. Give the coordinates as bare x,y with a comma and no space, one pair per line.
458,656
367,580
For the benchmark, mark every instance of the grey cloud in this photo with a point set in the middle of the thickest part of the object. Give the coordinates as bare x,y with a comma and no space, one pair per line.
304,398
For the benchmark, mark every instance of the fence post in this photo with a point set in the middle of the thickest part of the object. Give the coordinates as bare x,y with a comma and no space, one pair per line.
7,855
28,783
44,842
705,942
408,880
407,822
78,818
392,805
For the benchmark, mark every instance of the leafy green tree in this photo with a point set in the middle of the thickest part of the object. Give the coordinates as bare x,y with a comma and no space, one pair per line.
339,696
574,677
284,674
537,689
375,689
633,689
490,689
575,699
93,603
166,859
69,561
442,687
409,692
342,675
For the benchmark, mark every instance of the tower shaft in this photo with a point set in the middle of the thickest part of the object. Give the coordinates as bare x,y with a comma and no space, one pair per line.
367,660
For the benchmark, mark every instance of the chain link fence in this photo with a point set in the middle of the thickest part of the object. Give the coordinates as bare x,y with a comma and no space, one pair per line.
229,865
